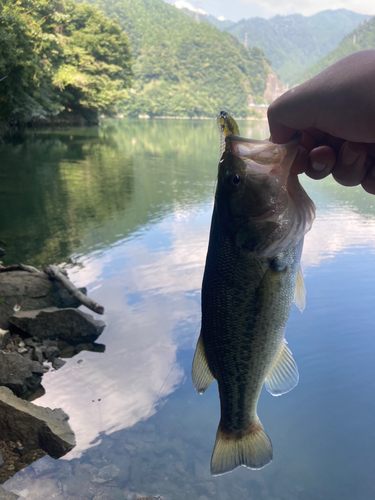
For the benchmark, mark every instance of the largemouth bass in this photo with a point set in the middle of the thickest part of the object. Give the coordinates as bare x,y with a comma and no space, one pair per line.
252,276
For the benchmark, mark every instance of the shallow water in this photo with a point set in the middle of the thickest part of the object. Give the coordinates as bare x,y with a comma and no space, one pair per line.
126,209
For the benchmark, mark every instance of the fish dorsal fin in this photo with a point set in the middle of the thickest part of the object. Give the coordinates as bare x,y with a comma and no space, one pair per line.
300,291
200,373
283,376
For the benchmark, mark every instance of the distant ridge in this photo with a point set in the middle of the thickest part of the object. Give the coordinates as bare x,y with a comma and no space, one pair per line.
362,38
292,43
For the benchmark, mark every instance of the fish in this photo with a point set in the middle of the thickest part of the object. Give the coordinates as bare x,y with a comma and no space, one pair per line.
251,278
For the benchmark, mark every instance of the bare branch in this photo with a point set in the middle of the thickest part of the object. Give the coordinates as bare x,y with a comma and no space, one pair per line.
58,274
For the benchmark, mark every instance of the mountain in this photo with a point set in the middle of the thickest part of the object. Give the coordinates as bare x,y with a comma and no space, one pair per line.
185,68
295,42
200,15
362,38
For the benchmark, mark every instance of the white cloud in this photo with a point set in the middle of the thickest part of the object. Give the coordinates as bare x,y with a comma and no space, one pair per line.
182,4
244,9
310,7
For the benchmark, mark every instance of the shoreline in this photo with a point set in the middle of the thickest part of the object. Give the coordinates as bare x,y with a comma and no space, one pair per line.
15,131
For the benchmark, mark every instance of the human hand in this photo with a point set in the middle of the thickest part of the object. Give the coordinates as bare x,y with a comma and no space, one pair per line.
335,111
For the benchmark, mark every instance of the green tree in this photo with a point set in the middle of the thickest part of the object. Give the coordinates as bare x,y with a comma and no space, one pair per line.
58,56
94,67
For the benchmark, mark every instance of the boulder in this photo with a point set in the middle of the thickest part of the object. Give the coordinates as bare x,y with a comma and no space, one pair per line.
34,426
67,324
31,291
19,373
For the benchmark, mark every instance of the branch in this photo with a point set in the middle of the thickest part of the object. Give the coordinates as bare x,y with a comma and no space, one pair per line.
55,273
18,267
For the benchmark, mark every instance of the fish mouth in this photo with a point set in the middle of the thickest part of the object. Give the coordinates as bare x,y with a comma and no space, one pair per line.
263,157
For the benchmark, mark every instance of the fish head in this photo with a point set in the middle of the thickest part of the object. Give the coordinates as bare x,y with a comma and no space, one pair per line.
259,202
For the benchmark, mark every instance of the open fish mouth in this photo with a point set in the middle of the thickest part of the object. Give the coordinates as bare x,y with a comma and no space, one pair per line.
262,157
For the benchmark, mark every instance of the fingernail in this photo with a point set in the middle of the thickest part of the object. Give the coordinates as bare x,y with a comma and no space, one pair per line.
349,157
318,166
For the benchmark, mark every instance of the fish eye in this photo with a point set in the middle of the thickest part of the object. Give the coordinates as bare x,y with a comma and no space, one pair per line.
235,179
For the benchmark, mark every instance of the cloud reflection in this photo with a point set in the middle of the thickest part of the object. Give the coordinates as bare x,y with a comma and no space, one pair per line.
161,272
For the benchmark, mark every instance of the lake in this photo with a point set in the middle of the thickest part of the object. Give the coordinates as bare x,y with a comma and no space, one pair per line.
126,209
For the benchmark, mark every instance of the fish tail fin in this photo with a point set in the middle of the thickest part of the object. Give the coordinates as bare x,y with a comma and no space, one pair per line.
252,449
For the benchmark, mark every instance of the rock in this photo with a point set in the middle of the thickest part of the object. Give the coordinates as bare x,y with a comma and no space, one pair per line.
107,473
7,495
38,355
52,352
31,291
1,460
66,324
19,373
57,363
33,425
110,494
45,465
4,337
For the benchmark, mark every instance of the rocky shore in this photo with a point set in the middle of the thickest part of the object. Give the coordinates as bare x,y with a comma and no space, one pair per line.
39,326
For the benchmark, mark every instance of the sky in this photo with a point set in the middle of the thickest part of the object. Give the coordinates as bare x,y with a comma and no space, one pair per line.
239,9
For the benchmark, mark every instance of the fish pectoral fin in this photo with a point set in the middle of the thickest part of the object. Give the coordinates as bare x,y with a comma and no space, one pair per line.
283,376
253,449
201,373
300,291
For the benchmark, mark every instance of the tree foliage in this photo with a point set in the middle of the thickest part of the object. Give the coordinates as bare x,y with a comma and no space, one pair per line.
185,68
58,55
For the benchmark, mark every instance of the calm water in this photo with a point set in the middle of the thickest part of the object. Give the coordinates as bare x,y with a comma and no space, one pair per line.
126,209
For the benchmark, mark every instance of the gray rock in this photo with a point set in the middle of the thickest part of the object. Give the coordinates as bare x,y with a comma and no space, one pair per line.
52,352
57,363
19,373
38,355
107,473
31,291
66,324
4,337
34,426
110,494
7,495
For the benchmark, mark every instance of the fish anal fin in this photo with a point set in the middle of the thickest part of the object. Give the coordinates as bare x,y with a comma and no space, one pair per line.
252,449
201,373
283,376
300,291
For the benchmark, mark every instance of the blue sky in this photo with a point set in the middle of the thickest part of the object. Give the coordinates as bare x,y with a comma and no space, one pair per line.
238,9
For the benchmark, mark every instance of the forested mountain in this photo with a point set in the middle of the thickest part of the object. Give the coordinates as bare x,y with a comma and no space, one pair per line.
295,42
185,68
59,57
362,38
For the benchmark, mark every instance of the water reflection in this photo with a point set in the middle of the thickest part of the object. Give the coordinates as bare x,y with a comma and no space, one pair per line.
134,406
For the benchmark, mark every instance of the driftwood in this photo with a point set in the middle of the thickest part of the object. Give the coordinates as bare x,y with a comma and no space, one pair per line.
18,267
55,273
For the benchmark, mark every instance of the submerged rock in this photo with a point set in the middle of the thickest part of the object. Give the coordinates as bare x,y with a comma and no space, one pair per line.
31,291
67,324
34,426
7,495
